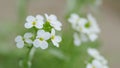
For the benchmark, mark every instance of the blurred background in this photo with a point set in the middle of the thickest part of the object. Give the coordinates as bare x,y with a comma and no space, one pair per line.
108,17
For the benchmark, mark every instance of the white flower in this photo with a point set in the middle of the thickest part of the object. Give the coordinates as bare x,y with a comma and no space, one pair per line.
41,39
19,42
91,26
22,40
27,38
93,52
95,64
34,21
55,39
52,19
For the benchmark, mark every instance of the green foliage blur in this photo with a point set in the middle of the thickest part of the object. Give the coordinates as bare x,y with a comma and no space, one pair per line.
67,56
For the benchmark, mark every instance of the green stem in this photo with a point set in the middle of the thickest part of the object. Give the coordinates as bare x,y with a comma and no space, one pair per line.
30,57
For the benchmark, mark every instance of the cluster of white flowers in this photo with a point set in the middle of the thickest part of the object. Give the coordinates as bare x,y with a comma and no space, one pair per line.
85,28
98,60
45,27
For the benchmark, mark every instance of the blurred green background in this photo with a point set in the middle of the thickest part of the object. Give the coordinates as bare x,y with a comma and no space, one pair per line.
13,12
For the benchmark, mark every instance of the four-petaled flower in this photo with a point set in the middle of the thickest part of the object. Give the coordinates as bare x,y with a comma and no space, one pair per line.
55,39
41,39
34,21
20,41
52,19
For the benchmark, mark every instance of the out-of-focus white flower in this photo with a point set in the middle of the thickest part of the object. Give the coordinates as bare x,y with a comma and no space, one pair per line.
34,21
95,64
55,39
27,38
96,56
91,26
41,39
52,19
93,52
20,41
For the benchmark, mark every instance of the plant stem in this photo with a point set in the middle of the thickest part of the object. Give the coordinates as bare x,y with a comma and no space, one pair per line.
30,56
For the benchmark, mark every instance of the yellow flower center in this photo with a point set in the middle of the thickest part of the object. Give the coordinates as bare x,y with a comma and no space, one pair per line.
33,23
53,37
41,39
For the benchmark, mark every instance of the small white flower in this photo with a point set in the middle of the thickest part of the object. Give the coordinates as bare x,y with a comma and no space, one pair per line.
22,40
55,39
34,21
95,64
52,19
27,38
19,42
91,26
41,39
93,52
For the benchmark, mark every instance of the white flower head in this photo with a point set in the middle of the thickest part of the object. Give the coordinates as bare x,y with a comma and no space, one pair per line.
22,40
34,21
55,39
41,39
52,19
19,42
95,64
93,52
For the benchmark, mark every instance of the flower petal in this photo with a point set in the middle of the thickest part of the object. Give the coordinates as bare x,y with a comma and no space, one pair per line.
29,41
28,35
37,43
30,19
28,25
18,39
20,44
53,32
39,24
55,43
77,40
93,37
58,39
43,45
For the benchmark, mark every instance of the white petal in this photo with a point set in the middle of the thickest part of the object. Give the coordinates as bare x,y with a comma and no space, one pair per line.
46,15
53,17
39,24
55,43
89,66
18,39
44,44
30,19
39,17
36,43
28,35
29,41
28,25
46,35
97,64
93,37
77,40
93,52
20,44
84,37
58,39
53,32
40,33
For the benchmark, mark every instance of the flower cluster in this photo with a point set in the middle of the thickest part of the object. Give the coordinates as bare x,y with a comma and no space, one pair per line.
98,60
44,31
85,28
